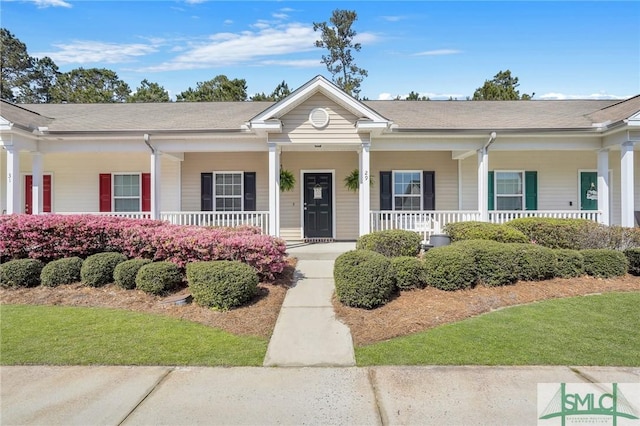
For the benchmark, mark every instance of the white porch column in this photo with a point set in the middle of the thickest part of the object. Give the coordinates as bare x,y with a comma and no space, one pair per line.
603,186
36,184
365,187
156,178
483,184
274,190
13,181
626,182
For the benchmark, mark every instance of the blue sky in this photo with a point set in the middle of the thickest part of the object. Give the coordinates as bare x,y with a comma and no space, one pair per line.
559,50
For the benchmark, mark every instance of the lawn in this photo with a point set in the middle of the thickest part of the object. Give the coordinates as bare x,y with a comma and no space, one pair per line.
588,330
59,335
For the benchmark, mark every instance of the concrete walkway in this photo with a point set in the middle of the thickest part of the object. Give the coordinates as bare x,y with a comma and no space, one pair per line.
307,333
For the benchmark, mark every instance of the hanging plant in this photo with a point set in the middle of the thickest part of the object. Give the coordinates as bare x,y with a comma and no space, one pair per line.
287,180
352,181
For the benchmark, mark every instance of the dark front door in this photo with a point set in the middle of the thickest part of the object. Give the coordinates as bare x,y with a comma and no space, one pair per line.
318,199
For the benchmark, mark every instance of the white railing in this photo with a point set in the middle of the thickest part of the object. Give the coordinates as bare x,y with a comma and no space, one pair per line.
503,216
426,222
128,215
232,219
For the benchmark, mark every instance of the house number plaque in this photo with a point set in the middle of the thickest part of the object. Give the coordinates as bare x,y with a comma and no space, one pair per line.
317,192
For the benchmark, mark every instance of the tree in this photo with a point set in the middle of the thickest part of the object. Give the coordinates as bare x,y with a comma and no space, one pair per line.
413,96
149,92
92,85
338,40
280,92
40,83
15,64
220,88
503,87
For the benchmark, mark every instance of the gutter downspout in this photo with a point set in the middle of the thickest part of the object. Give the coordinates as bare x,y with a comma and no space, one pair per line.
155,179
483,178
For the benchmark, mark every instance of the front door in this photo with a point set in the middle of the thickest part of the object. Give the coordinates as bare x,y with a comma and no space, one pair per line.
318,205
588,191
46,193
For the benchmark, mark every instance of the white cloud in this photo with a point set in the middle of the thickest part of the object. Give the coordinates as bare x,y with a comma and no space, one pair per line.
82,52
281,16
294,63
228,22
393,18
194,1
438,52
51,3
563,96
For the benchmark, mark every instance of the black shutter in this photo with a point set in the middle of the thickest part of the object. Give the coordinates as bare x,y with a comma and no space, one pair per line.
429,190
249,191
206,192
386,194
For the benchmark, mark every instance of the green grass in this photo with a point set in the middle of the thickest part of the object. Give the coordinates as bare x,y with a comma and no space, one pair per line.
590,330
57,335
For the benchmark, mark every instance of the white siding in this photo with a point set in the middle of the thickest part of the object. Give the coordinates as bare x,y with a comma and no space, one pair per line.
196,163
296,127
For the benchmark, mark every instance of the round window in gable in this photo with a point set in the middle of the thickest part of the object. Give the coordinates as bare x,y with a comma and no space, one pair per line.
319,117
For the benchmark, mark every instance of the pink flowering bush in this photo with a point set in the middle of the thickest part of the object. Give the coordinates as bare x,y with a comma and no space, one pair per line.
50,237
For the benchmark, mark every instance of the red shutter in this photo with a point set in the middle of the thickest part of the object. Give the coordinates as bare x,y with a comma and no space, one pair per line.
105,192
146,192
46,193
28,192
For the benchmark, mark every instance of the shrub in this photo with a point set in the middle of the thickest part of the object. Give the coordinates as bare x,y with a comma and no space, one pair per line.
604,263
124,274
450,268
363,279
555,233
460,231
222,284
409,272
20,273
610,237
496,263
633,256
61,271
534,262
391,243
569,263
97,269
158,277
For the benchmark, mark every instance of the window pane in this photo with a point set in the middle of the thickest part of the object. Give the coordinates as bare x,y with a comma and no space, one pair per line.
126,185
127,204
509,203
407,203
508,183
228,191
407,191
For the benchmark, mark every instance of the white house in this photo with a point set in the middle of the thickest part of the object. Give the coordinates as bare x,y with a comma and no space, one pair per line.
219,163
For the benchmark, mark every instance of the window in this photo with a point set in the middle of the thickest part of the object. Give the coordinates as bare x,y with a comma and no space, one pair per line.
126,193
228,191
509,190
407,190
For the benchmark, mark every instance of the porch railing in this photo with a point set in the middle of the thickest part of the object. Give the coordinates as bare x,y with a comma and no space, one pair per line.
128,215
257,218
503,216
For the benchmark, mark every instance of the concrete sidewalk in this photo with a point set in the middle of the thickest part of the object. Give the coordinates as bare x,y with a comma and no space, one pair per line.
286,396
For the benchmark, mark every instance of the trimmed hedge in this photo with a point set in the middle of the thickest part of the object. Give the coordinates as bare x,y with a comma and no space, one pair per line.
495,263
409,272
391,243
158,277
633,256
604,263
363,279
569,263
534,262
21,273
473,230
61,271
450,268
222,284
97,269
555,233
124,274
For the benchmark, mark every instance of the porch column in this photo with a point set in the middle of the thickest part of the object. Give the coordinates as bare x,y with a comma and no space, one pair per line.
36,184
603,186
365,187
274,190
483,184
626,181
13,181
156,177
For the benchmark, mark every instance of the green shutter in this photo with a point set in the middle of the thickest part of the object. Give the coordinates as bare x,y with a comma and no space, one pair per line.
490,205
531,190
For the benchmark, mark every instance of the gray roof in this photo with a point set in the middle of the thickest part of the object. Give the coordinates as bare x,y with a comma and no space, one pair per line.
424,115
